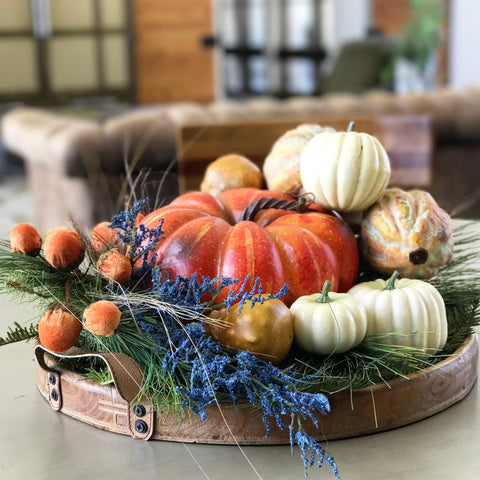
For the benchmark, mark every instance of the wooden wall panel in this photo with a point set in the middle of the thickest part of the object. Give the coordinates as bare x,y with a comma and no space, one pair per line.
171,62
389,16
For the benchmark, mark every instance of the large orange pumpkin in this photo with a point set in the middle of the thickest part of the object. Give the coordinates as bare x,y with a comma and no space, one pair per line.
207,235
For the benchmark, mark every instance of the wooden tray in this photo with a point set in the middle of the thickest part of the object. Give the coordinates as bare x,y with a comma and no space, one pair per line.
381,407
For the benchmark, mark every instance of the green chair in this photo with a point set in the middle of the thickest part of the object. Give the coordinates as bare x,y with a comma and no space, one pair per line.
358,67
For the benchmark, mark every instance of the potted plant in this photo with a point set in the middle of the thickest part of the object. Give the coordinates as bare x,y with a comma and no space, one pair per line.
416,46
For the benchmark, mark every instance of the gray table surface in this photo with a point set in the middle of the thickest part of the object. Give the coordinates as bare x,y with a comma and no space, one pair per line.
39,443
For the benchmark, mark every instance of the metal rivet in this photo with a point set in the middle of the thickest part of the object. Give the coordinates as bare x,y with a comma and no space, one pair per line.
54,395
141,426
139,410
52,379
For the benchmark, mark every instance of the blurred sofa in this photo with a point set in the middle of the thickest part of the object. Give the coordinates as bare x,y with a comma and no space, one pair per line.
89,169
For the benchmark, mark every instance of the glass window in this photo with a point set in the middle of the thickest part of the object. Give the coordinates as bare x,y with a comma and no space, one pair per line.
20,56
72,14
15,15
115,68
73,63
113,14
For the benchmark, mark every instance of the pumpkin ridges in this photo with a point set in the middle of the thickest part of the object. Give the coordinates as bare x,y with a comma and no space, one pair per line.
337,235
350,146
396,229
226,255
249,250
298,243
181,254
371,149
204,202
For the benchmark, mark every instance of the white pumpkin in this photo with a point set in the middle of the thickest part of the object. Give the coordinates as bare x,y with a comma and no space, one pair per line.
346,171
327,323
406,312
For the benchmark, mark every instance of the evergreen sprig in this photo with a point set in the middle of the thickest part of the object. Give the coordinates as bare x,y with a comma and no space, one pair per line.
18,333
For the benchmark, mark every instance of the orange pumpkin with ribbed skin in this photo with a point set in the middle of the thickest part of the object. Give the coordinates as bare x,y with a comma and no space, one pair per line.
206,235
407,232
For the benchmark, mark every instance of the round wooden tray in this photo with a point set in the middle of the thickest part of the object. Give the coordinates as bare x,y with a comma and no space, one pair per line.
381,407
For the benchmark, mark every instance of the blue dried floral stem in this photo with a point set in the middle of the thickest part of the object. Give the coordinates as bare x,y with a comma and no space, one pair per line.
207,369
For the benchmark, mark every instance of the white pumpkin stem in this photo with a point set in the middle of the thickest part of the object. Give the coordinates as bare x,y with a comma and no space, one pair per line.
391,281
351,127
324,298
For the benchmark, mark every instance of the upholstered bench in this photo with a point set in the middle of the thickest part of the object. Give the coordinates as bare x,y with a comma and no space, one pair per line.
85,169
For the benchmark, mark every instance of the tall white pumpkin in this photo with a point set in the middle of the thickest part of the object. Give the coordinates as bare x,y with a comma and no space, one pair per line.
346,171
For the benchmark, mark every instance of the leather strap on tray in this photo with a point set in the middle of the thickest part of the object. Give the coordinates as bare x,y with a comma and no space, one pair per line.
127,378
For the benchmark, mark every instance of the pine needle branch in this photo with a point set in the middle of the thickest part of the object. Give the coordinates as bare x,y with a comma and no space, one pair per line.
17,333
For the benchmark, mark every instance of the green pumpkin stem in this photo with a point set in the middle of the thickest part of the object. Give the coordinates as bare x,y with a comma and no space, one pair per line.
324,298
351,127
391,281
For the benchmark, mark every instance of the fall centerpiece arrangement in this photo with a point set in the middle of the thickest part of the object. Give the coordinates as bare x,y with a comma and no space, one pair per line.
272,298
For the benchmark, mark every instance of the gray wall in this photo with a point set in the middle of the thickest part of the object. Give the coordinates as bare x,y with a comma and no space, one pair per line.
464,50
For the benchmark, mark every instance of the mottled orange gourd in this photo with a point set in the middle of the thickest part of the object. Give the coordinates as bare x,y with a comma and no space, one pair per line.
407,232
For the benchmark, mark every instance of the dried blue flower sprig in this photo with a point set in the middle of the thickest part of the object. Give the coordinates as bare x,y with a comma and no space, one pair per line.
209,371
140,239
215,374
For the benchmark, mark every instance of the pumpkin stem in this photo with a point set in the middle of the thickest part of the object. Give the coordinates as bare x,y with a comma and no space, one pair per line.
418,256
351,127
301,206
391,281
324,298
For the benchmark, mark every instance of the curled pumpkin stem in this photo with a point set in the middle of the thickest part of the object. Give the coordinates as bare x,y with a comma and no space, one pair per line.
301,206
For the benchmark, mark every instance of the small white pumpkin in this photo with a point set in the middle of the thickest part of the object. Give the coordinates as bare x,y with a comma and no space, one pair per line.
406,312
327,323
346,171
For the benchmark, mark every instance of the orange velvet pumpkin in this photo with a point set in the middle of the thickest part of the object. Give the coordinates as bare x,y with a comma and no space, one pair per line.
407,232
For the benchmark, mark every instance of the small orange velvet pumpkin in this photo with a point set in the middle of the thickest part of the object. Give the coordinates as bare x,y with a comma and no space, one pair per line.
58,329
103,235
115,266
24,238
407,232
102,318
63,248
